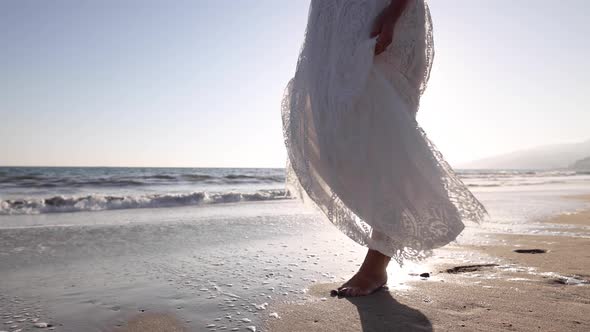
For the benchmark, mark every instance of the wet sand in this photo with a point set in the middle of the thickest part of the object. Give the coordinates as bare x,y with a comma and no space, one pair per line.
518,292
195,268
203,270
154,323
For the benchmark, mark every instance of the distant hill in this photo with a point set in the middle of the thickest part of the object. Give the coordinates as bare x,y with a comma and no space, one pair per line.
582,164
544,157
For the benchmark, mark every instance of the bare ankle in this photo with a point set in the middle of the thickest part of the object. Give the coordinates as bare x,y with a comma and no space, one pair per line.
375,263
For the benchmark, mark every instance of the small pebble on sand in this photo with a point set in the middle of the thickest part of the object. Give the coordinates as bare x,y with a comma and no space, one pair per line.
246,320
251,328
41,325
273,315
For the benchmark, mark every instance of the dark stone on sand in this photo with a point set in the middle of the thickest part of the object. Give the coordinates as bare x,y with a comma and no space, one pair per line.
559,281
469,268
425,275
530,251
570,280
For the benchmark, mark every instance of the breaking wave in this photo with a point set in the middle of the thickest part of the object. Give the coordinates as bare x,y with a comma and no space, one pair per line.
105,202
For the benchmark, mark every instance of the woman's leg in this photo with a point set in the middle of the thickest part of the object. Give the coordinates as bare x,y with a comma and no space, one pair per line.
371,276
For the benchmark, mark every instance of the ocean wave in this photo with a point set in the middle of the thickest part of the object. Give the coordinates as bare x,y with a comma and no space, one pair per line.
58,204
504,174
159,177
197,177
25,178
118,181
257,178
513,184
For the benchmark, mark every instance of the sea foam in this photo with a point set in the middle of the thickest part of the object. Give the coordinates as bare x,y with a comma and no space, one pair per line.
106,202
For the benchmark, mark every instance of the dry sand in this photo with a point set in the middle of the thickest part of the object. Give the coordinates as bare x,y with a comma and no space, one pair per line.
526,292
581,218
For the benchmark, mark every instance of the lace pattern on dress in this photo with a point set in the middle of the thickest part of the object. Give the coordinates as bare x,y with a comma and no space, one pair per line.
323,83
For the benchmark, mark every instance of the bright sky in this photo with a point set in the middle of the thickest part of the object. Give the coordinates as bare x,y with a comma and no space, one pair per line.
199,83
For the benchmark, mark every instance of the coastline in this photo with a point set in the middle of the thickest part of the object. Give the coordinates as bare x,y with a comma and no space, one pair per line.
214,268
520,292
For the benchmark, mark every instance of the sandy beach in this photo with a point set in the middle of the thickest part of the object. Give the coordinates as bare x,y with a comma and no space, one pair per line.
188,268
518,292
269,266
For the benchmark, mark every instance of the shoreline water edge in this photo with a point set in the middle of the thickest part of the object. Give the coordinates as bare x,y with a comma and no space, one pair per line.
268,265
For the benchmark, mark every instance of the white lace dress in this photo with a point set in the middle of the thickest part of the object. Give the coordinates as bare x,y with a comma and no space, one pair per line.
355,149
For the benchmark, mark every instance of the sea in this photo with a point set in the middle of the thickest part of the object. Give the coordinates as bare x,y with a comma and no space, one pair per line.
43,190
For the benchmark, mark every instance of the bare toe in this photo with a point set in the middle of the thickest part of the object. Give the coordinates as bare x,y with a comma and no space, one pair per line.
345,292
361,285
344,285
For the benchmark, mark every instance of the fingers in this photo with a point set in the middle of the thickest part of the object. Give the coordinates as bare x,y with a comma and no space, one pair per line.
376,31
380,47
377,26
384,40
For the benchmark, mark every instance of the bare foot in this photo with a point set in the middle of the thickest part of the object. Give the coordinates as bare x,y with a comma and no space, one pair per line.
371,276
362,284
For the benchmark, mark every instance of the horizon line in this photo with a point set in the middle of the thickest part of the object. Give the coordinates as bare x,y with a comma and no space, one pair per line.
105,166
